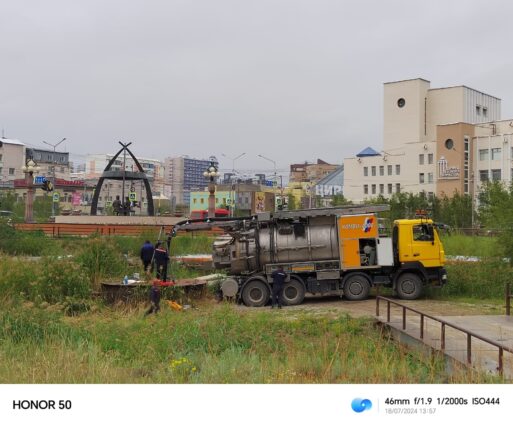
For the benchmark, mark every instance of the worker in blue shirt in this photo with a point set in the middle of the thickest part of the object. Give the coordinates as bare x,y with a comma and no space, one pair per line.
278,277
147,254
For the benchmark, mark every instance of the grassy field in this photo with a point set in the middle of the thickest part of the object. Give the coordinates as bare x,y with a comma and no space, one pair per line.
209,344
463,245
53,329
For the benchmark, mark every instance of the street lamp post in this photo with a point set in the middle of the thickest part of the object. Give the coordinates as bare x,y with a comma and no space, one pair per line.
54,146
211,173
232,188
275,182
29,168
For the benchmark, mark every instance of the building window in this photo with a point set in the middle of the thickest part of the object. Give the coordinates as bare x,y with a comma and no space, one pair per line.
373,188
11,172
465,188
201,200
389,169
381,188
401,102
365,189
483,154
430,158
373,170
397,187
478,109
483,175
397,169
389,188
0,157
421,177
421,159
496,154
366,171
382,170
485,112
430,177
496,174
449,144
0,172
430,195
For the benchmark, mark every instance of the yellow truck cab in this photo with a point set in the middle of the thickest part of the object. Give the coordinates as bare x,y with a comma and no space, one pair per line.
418,256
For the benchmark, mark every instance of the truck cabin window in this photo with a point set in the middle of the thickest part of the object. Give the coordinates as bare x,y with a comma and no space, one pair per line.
423,232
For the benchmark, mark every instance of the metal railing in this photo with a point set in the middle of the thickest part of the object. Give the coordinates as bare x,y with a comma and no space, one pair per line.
444,324
509,296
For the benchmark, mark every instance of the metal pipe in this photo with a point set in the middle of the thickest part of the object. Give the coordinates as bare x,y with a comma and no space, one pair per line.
508,299
442,337
422,326
469,348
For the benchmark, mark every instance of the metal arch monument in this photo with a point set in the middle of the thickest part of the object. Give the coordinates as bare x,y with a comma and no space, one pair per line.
123,175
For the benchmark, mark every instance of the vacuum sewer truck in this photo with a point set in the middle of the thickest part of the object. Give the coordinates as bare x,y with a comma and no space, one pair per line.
330,251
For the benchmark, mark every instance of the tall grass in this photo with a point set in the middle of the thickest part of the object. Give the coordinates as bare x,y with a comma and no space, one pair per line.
210,345
463,245
476,280
197,244
49,280
21,243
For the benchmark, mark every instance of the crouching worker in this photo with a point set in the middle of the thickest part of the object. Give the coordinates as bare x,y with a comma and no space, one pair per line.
154,298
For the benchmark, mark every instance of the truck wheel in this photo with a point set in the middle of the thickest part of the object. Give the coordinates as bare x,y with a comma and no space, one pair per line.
409,286
293,292
255,293
356,287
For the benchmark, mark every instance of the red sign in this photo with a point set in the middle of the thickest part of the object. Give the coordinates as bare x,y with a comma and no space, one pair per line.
76,197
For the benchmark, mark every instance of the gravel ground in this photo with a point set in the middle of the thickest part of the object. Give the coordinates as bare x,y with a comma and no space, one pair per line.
367,308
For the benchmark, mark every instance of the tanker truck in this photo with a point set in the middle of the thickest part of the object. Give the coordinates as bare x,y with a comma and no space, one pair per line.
330,251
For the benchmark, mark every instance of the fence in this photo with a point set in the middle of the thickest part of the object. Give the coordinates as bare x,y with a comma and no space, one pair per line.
443,325
70,229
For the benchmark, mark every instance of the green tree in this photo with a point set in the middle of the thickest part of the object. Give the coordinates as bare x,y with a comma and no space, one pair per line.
495,212
339,200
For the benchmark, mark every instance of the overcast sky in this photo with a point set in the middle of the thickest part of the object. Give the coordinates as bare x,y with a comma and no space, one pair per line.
292,80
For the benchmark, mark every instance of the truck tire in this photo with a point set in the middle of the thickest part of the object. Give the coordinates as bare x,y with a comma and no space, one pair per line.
293,292
356,287
409,286
255,293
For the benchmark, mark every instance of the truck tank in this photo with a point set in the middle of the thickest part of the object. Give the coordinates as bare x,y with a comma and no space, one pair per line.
278,241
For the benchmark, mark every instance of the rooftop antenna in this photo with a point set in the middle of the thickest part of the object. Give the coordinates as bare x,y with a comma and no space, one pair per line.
3,133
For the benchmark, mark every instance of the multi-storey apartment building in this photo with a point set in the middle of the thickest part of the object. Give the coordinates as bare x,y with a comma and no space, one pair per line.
52,163
185,174
12,157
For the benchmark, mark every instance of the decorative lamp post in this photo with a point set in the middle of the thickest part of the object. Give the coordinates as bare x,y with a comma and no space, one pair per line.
29,168
211,173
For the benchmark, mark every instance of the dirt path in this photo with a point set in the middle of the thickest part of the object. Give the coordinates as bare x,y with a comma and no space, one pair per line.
367,308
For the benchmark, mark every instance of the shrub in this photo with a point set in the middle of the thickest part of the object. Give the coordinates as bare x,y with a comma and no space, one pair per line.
101,258
58,280
25,243
481,280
